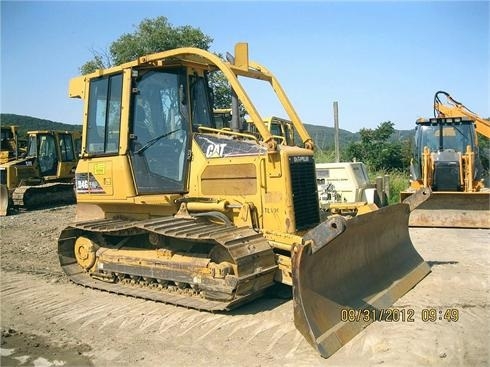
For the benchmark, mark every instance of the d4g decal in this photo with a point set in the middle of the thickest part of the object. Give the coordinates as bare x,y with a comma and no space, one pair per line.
86,183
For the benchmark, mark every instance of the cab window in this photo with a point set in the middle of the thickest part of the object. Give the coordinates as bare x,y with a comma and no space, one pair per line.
200,108
66,148
104,115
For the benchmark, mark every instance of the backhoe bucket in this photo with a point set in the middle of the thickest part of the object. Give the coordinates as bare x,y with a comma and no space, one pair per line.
453,209
348,272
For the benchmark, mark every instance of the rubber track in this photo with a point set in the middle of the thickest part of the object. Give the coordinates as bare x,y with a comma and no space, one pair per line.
245,245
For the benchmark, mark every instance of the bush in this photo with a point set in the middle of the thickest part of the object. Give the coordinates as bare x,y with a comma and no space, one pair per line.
399,181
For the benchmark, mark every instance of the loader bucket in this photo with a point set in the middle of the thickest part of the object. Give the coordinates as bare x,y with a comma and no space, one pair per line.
348,272
453,209
4,200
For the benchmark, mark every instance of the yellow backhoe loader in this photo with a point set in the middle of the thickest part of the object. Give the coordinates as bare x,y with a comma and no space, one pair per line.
446,159
173,209
44,174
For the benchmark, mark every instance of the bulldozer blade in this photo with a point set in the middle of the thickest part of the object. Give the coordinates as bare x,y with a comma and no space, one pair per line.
347,273
453,209
4,200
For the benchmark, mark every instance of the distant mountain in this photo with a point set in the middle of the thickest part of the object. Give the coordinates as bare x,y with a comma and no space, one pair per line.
28,123
322,136
403,135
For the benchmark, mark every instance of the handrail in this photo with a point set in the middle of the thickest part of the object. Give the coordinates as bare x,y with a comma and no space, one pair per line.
226,132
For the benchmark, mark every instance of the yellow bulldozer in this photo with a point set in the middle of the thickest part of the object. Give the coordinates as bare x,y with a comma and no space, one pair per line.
12,146
281,129
447,159
173,209
42,175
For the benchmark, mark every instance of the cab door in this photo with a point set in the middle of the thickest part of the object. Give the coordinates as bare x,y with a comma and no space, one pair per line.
47,155
160,131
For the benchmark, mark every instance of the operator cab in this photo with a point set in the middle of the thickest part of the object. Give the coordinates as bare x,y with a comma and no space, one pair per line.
447,139
166,106
49,150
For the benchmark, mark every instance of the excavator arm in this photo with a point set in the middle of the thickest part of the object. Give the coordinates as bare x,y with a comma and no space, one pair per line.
453,108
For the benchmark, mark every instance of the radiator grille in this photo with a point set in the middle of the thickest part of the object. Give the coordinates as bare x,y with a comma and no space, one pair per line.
446,176
304,192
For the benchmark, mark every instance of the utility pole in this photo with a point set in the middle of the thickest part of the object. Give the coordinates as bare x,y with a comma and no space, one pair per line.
336,127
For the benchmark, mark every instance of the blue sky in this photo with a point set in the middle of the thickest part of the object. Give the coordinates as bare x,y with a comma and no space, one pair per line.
380,60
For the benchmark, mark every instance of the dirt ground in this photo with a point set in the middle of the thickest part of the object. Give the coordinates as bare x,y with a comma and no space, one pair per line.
48,321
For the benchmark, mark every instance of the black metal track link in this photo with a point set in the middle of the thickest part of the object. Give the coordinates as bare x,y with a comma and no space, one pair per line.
50,193
246,247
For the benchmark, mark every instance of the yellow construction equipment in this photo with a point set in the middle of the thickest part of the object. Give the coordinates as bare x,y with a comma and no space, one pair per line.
352,192
172,208
453,108
446,159
282,130
222,118
44,174
12,146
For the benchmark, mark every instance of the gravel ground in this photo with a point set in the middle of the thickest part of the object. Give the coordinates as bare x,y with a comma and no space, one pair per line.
48,321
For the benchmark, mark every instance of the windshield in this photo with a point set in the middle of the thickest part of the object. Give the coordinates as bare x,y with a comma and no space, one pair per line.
442,137
7,134
32,146
276,129
160,131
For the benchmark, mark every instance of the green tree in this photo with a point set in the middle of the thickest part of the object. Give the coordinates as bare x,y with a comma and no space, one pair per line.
221,91
377,151
157,35
150,36
96,63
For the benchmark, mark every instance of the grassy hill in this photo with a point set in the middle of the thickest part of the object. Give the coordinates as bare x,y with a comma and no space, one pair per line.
322,136
28,123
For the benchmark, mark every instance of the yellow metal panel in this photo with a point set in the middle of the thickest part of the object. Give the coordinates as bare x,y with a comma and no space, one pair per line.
108,170
76,87
241,56
125,112
66,169
102,171
233,179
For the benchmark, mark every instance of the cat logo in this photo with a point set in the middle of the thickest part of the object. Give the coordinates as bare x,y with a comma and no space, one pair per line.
215,150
